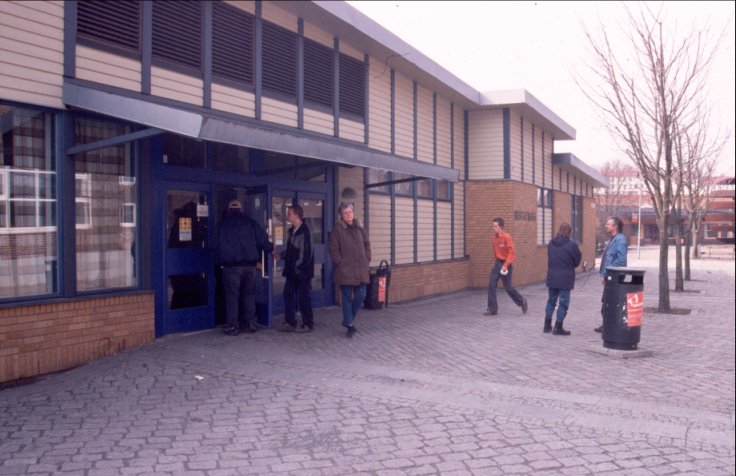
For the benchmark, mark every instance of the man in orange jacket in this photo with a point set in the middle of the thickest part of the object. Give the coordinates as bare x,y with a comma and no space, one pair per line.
503,249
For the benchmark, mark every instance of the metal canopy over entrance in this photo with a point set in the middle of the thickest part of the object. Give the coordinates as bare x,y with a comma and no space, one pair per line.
246,133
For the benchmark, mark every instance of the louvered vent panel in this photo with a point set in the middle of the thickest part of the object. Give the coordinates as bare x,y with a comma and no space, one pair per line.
177,32
233,43
352,85
116,23
279,59
318,73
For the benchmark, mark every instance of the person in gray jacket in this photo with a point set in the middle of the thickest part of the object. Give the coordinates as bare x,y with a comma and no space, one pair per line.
563,256
350,250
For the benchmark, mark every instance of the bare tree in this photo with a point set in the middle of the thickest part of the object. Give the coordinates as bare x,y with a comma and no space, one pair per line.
643,93
611,200
697,153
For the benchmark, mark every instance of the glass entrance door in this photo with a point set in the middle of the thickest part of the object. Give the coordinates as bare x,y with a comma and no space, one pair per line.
254,200
188,260
314,217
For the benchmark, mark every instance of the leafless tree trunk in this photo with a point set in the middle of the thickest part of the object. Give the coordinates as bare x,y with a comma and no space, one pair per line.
643,93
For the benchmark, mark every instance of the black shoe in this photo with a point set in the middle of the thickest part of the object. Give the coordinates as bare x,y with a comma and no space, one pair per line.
304,329
524,306
231,330
351,331
250,327
547,326
288,327
559,330
599,329
489,313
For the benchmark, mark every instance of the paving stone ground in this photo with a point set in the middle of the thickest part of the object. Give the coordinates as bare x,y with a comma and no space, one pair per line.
428,387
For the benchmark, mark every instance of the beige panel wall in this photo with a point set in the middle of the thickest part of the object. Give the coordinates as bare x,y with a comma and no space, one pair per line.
485,144
444,132
319,121
459,140
425,125
528,151
272,13
404,115
176,86
379,105
425,230
316,34
106,68
273,110
352,177
459,203
550,180
247,5
236,101
515,144
352,130
379,227
404,230
444,230
538,156
32,52
350,50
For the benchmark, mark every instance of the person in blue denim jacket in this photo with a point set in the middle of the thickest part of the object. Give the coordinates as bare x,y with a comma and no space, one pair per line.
615,253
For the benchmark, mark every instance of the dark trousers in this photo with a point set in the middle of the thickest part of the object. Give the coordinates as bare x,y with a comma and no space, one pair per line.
493,282
239,284
298,291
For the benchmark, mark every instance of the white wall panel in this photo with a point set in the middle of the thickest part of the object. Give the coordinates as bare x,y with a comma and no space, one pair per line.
278,16
379,230
319,121
444,132
485,144
107,68
459,140
379,106
404,230
273,110
352,130
425,125
32,52
459,204
235,101
246,5
404,115
176,86
425,230
444,230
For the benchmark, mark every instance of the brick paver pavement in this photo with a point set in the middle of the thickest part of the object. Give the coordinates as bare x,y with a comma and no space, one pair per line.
430,387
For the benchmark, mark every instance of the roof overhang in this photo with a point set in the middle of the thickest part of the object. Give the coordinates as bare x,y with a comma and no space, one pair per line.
569,163
530,108
208,126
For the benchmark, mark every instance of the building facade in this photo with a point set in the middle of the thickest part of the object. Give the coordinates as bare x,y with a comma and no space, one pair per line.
128,126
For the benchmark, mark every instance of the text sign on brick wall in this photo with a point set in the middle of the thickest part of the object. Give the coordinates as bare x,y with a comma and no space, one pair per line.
525,216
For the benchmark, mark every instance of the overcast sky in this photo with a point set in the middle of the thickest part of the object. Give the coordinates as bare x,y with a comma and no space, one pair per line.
539,46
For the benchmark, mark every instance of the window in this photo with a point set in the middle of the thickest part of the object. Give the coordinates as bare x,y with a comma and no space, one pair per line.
233,40
576,218
106,202
424,188
405,188
177,33
352,86
183,151
443,190
379,176
544,215
318,73
279,60
28,231
115,24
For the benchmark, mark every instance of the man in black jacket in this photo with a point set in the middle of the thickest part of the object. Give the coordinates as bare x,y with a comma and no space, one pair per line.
240,242
298,270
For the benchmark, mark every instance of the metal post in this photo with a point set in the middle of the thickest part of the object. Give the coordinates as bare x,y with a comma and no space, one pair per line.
638,229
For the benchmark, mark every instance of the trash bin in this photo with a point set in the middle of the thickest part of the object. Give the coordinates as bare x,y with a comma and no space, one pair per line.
623,308
377,292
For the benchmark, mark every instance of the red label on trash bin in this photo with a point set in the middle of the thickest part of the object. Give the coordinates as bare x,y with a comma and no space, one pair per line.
382,289
634,309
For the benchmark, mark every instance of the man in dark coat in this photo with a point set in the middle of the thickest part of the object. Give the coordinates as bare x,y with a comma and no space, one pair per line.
240,242
563,256
298,270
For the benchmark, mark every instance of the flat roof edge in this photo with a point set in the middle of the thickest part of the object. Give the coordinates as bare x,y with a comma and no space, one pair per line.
522,97
569,159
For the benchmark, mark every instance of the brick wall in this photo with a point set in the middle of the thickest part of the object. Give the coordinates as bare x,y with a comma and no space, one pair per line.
415,281
41,338
516,203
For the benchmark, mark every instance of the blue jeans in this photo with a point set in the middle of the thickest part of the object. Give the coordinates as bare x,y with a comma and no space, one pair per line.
564,295
352,299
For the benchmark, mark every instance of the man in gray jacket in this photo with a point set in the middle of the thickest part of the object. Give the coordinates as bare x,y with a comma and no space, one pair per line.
350,250
298,270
